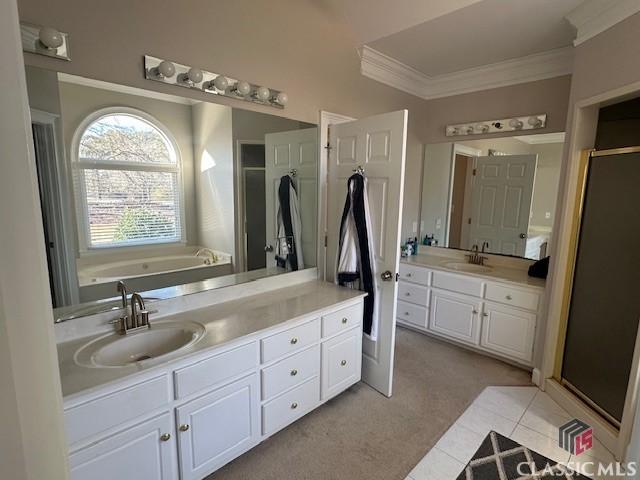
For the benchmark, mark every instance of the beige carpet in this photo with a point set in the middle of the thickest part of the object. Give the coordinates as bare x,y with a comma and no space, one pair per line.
363,435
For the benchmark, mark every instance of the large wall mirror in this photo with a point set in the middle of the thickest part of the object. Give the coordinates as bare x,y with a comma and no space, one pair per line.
168,194
498,193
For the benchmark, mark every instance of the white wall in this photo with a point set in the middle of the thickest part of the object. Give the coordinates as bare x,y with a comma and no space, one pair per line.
33,443
213,149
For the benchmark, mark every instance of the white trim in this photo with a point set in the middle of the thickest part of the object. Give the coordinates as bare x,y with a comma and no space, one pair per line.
542,138
466,150
78,165
539,66
325,120
593,17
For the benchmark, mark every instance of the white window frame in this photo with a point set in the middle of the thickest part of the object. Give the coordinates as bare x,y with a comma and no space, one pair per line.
80,197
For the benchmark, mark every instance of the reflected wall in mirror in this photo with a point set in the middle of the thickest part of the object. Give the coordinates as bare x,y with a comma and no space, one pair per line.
163,191
500,193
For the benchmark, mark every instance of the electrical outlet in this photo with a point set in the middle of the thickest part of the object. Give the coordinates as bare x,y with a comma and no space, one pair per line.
547,214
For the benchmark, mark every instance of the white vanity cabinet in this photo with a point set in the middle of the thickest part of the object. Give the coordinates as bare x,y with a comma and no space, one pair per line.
190,417
145,452
481,313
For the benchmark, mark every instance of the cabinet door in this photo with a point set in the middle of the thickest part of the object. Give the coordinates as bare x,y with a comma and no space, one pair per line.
508,331
341,363
455,316
215,428
143,452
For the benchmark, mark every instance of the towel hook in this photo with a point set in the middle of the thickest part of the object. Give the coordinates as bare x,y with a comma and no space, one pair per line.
359,170
293,172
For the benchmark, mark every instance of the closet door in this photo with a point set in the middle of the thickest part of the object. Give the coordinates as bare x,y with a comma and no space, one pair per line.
378,145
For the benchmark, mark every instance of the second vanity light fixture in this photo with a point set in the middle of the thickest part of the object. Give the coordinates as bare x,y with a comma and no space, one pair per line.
173,73
44,40
528,122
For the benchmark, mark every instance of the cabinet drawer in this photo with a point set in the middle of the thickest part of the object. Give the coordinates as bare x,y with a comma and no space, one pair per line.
414,274
99,414
341,363
214,370
417,294
341,320
290,340
458,283
290,371
508,331
412,314
283,410
513,296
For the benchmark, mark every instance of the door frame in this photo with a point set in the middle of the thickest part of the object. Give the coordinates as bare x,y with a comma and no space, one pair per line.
325,120
583,118
473,153
241,244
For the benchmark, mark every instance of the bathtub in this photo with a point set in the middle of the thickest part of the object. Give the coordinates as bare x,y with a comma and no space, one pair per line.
99,280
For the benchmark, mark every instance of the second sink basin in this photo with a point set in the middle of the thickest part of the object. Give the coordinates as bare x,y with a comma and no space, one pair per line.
115,350
467,267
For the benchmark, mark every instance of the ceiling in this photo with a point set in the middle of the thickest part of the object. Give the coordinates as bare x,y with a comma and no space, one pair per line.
482,33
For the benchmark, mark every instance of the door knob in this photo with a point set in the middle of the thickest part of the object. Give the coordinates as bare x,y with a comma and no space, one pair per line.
165,437
268,248
523,235
386,276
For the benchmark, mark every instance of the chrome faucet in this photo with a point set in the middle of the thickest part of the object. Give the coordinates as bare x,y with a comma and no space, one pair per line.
208,261
475,258
139,319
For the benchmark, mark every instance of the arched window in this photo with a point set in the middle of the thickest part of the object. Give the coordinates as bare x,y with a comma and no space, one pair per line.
127,180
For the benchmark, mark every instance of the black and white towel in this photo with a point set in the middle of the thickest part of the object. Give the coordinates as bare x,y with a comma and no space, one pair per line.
355,262
289,234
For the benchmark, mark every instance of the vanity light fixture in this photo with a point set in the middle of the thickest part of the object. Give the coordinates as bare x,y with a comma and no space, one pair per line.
161,70
528,122
44,40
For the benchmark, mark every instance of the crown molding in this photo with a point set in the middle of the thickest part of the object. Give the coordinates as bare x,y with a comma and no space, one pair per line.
390,71
595,16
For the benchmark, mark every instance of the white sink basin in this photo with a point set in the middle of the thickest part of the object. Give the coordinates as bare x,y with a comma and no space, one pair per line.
467,267
162,339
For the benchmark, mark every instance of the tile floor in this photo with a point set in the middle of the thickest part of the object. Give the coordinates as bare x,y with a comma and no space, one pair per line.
524,414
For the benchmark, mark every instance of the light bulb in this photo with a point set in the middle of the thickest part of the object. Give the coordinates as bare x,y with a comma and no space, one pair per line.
484,128
195,75
516,124
282,98
221,82
166,69
50,38
263,94
242,88
535,122
469,130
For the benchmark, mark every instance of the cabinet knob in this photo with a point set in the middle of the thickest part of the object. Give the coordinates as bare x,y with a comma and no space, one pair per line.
485,314
407,294
294,405
406,313
294,340
508,297
294,372
184,427
408,274
165,437
475,312
344,320
343,363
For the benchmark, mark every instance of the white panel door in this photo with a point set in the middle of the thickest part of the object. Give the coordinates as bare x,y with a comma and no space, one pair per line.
286,152
508,331
216,428
455,316
378,144
501,202
143,452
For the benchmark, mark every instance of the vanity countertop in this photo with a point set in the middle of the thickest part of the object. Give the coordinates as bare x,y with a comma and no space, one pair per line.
224,324
499,273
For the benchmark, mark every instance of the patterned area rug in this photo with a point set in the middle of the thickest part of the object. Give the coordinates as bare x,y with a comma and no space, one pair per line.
500,458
